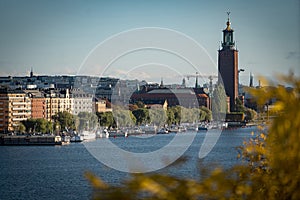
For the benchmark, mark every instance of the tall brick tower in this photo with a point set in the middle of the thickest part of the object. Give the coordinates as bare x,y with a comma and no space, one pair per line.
228,65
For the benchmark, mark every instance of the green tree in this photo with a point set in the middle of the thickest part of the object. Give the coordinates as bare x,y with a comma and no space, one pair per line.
177,114
190,115
106,119
158,116
239,107
38,125
65,119
21,128
170,117
142,116
41,126
49,127
219,103
207,114
186,115
124,118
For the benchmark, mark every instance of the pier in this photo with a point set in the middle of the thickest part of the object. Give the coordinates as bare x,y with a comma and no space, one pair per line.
30,140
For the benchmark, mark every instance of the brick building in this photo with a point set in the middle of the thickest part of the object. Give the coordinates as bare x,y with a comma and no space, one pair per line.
38,104
186,97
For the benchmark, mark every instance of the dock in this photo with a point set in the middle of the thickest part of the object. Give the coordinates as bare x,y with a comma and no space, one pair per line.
30,140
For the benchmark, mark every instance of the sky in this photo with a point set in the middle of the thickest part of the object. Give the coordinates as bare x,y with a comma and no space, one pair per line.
72,37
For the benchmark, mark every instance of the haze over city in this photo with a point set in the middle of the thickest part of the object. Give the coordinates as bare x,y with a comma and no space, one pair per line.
55,37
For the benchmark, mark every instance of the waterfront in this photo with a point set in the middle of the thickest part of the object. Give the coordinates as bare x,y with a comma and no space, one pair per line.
56,172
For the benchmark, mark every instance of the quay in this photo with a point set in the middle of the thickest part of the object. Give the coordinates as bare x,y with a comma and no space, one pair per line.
30,140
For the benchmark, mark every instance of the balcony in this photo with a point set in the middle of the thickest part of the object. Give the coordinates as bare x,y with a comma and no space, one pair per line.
19,119
19,108
19,114
19,103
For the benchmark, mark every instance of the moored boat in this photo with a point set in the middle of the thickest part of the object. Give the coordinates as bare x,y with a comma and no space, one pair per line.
66,139
88,135
163,131
149,129
76,138
202,128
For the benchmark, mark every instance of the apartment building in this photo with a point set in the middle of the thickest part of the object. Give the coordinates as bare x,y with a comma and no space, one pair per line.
82,102
15,106
38,104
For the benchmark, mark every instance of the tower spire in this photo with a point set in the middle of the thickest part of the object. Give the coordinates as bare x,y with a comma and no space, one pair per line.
31,72
228,42
228,22
196,84
251,80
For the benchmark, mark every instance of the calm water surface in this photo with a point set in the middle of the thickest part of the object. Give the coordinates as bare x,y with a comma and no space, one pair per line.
57,172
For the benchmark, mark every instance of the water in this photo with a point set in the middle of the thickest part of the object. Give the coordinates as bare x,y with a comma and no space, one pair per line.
57,172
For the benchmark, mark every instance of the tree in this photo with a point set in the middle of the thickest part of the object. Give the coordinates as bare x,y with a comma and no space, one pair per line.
250,114
65,119
190,115
208,114
177,114
87,121
106,119
29,125
49,127
239,107
219,103
132,107
170,117
158,116
38,125
271,168
21,128
140,104
42,126
124,118
142,116
194,115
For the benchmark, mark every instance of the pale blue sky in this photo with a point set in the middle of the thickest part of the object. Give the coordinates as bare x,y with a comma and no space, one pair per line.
54,37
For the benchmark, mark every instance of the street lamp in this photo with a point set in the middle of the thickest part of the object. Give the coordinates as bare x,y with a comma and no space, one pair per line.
240,70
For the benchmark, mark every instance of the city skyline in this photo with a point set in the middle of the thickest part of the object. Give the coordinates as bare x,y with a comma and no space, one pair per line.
54,38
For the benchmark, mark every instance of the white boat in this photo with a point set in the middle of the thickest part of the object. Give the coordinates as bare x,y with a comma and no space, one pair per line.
135,131
176,129
192,128
88,135
76,138
163,131
106,133
149,129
